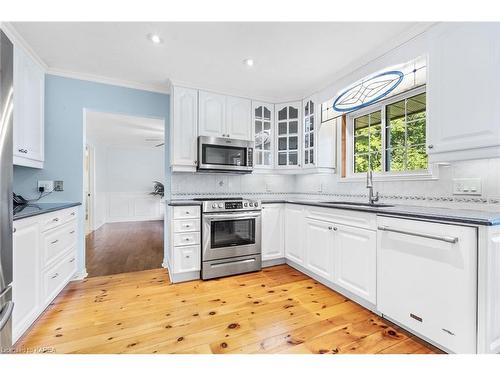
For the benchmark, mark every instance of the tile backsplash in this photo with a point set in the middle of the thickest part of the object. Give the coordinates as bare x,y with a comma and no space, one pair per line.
438,192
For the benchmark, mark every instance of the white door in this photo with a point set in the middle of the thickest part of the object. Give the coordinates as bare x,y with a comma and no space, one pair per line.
184,140
273,231
463,88
26,271
427,280
294,219
212,114
239,118
356,261
319,247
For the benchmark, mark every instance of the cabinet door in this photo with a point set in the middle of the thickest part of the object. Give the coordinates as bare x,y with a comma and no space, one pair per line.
273,232
309,131
463,88
187,259
29,81
184,127
319,247
288,137
356,261
26,276
294,233
263,130
239,118
212,114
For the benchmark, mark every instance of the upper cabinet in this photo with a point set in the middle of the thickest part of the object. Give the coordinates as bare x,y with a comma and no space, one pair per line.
224,116
309,133
29,92
263,130
463,98
288,117
183,129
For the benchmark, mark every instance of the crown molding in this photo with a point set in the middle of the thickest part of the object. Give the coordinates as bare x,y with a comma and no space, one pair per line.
162,89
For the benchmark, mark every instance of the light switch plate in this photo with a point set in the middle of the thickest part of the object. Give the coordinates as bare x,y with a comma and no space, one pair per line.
58,185
467,186
48,186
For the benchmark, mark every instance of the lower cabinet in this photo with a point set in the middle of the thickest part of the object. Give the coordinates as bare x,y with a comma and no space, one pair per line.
355,261
319,248
44,261
273,232
294,228
186,259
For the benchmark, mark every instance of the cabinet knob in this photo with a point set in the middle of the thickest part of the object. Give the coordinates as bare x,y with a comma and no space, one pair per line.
14,230
54,275
430,146
195,162
334,228
55,219
55,241
188,256
72,260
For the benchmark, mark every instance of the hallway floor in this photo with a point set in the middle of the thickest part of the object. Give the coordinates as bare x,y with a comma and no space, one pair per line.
124,247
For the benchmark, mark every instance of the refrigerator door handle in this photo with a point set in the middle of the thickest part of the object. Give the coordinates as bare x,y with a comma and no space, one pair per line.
6,313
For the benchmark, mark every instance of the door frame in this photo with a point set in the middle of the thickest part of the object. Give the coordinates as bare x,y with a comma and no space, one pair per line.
89,194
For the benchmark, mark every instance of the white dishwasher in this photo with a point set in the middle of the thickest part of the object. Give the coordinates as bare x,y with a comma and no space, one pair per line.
426,280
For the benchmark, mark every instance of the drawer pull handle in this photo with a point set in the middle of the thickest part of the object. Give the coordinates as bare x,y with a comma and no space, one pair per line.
416,317
186,239
187,212
55,219
448,331
54,275
188,256
72,260
14,230
73,214
72,232
55,241
187,225
448,239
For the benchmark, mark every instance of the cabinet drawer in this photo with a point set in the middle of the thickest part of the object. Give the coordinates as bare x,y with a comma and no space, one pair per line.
57,241
348,217
187,258
58,218
187,212
182,239
56,277
187,225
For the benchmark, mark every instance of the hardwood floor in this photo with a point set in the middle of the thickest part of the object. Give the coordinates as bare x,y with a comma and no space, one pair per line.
277,310
124,247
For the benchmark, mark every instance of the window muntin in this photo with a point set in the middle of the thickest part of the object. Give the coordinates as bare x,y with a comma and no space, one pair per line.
288,136
263,136
391,138
309,129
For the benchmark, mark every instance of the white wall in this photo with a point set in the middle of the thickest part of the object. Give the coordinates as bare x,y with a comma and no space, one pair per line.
123,179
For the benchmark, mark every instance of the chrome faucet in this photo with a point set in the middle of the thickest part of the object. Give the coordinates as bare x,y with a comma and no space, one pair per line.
369,185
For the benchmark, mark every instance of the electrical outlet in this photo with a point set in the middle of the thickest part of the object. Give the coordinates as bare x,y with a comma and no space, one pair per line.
47,186
467,186
58,185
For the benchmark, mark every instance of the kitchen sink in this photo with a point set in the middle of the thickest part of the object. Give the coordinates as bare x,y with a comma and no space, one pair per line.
344,203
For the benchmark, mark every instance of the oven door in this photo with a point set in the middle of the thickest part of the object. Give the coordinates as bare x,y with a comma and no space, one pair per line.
221,154
227,235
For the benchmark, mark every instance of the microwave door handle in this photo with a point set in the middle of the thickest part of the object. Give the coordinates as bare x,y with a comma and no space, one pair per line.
232,216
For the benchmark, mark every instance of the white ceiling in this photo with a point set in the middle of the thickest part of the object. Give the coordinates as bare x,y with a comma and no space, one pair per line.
292,60
111,129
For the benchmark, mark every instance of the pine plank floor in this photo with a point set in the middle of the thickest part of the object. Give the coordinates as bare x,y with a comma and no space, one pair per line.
276,310
124,247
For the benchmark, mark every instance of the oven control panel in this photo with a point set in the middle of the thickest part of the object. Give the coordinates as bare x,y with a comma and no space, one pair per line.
231,205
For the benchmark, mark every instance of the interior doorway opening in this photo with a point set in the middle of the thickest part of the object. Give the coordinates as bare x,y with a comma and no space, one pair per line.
124,172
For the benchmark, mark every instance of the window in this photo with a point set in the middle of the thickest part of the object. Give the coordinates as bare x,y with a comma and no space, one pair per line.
390,136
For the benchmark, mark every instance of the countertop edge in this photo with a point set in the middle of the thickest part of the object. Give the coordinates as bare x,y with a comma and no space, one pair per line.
62,206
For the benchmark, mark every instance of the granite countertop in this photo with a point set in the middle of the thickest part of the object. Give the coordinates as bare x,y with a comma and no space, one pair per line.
476,217
34,209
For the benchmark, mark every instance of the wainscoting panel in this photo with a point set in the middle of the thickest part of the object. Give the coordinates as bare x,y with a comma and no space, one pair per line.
136,206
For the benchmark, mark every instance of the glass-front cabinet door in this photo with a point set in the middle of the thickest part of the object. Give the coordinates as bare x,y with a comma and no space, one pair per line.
288,135
309,131
263,123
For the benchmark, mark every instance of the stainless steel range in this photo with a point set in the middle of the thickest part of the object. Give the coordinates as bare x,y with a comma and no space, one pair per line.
231,232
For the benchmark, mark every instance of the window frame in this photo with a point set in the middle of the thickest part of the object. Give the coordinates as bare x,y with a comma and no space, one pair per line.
423,174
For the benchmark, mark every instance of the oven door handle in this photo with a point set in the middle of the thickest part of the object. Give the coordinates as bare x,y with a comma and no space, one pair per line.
248,215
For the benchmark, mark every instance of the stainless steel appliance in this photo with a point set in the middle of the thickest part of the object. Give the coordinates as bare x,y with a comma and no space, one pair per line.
231,233
6,109
225,155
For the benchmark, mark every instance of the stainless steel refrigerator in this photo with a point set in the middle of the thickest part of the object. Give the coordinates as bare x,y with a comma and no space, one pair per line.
6,114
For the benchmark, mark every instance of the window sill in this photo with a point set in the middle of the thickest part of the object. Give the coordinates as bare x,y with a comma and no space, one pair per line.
432,174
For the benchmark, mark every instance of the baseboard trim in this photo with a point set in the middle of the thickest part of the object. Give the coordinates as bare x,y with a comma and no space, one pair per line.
80,275
183,277
273,262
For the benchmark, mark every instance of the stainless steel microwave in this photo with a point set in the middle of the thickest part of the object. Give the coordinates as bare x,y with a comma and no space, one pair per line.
225,155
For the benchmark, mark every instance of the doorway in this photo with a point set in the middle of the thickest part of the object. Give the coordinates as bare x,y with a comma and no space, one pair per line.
124,164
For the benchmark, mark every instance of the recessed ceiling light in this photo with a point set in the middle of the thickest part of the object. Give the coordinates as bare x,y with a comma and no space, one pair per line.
248,62
155,38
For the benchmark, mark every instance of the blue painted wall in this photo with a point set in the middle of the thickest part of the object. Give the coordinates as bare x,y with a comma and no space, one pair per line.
65,101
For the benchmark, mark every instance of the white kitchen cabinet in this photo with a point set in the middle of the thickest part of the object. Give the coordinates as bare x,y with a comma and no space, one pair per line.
288,135
26,271
427,280
273,231
462,90
211,114
184,129
187,259
238,118
44,261
294,229
263,134
355,261
319,248
29,83
309,132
